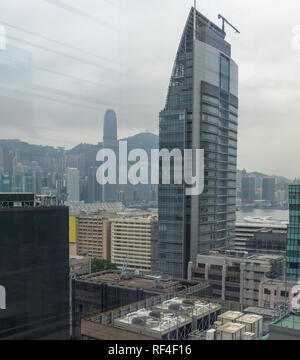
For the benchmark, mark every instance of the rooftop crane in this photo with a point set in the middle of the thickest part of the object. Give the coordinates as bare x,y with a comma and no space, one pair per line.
227,22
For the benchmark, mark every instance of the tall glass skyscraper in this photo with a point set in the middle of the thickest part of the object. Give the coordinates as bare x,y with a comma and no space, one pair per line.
110,141
293,235
201,112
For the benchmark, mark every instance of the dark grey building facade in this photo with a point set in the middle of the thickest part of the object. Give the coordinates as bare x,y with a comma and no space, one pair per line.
201,112
267,241
34,269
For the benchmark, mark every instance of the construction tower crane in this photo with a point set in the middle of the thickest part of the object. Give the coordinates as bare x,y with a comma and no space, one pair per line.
227,22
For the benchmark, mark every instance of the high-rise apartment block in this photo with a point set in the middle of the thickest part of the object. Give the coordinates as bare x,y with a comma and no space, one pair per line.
93,236
129,240
134,242
201,112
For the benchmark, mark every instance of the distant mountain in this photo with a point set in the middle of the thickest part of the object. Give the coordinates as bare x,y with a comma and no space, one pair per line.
26,148
87,149
257,174
29,152
146,141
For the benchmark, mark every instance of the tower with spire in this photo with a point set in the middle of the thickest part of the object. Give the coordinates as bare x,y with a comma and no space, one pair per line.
110,141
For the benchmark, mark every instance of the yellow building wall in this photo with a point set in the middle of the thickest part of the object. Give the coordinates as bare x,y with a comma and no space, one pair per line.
72,229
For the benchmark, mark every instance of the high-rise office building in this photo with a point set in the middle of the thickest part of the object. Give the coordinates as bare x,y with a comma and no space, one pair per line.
34,268
73,181
293,235
110,141
201,112
268,189
248,189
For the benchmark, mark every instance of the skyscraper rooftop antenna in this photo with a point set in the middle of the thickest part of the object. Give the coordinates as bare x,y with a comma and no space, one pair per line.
227,22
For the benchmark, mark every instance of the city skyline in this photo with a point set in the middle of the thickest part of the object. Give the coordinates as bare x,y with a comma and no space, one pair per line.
265,67
249,171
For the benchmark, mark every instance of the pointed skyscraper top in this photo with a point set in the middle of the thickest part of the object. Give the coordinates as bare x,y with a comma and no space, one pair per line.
110,129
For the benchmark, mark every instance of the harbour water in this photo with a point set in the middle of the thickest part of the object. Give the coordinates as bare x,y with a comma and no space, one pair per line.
282,215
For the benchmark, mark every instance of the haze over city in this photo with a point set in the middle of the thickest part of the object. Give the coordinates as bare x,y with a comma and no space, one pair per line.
149,187
128,41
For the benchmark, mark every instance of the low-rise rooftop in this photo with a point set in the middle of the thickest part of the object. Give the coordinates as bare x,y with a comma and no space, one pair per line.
257,257
77,209
150,282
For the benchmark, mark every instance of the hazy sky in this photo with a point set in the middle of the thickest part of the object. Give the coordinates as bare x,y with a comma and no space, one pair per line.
127,52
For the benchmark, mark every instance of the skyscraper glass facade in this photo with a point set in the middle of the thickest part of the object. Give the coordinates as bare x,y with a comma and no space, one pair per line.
293,235
110,141
201,112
